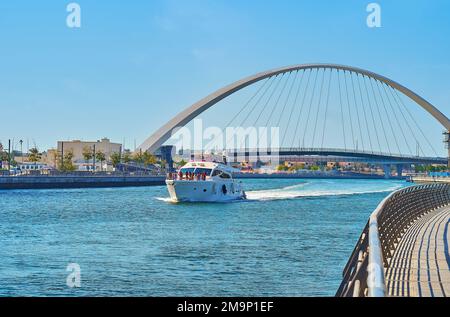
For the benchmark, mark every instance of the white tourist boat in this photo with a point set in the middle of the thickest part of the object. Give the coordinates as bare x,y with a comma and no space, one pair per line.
204,182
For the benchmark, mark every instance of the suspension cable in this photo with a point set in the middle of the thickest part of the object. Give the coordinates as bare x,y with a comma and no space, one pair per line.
309,109
349,110
371,112
301,107
380,117
364,112
293,106
388,117
318,109
342,110
326,108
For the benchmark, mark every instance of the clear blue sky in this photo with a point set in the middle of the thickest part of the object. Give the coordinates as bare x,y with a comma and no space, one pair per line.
133,65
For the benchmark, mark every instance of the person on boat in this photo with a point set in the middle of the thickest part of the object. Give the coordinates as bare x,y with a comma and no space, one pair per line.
180,174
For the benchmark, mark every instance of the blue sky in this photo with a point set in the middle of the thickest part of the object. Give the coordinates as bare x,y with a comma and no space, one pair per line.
133,65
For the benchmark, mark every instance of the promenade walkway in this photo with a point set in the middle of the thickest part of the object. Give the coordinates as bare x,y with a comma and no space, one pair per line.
403,250
420,265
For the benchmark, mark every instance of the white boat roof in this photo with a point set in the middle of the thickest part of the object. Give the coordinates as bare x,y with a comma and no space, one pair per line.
211,165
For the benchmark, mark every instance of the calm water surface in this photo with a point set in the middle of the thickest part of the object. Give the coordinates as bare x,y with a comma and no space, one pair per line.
292,237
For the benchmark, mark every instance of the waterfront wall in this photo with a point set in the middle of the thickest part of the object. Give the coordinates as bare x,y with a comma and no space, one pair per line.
309,175
55,182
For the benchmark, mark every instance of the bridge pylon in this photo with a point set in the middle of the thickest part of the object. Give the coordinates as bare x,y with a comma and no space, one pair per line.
447,145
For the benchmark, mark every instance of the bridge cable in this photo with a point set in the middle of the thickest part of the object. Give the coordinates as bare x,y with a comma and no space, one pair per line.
388,117
364,112
269,99
265,106
287,98
272,80
371,111
381,118
326,108
391,89
318,109
301,107
293,106
395,115
421,131
357,112
349,110
278,99
309,109
248,102
342,110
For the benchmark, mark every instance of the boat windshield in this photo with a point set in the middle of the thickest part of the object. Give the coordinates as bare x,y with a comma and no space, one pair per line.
207,171
196,171
187,170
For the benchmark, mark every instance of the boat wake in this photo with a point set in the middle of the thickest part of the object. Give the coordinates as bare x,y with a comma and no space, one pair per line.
165,199
303,190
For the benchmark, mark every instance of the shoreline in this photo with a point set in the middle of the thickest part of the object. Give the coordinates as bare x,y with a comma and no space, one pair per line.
95,181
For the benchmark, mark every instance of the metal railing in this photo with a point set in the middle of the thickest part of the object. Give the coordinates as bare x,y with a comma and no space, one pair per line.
364,273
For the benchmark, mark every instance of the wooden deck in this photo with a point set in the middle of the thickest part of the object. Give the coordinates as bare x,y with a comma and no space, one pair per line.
420,266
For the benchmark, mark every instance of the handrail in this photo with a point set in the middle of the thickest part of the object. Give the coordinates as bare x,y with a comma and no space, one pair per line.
364,273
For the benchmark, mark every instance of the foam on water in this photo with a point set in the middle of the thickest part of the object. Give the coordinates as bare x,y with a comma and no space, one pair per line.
317,188
312,190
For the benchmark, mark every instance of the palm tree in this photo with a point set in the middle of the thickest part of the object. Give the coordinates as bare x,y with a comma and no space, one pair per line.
149,159
100,156
126,158
68,162
138,157
115,159
87,154
34,156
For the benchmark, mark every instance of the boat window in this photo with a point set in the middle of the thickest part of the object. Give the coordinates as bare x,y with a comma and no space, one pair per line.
203,170
187,170
216,173
225,175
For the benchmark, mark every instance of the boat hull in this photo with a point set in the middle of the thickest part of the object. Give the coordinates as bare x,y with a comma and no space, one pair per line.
204,191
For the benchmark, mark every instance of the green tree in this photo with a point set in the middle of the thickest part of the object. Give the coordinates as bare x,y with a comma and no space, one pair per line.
87,154
115,159
100,156
65,163
34,156
138,157
68,162
181,163
149,159
126,158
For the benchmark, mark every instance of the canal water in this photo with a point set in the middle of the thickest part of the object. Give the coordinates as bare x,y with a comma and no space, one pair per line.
291,238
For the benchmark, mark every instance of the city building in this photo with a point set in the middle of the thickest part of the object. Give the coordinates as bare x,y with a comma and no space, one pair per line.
77,148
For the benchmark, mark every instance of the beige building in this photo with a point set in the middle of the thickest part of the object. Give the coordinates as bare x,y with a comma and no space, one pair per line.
77,147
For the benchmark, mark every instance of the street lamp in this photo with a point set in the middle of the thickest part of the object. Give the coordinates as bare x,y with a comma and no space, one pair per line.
21,149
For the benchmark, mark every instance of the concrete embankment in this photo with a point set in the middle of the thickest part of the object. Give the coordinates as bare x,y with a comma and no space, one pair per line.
51,182
429,179
309,175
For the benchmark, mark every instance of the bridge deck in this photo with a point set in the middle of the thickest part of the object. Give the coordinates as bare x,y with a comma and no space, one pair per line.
420,265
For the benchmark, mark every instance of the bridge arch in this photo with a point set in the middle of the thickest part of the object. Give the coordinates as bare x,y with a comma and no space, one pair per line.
164,133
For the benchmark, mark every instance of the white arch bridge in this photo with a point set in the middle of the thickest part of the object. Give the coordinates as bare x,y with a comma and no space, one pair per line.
371,107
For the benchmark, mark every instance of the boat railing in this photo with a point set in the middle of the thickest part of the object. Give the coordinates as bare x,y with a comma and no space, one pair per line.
187,177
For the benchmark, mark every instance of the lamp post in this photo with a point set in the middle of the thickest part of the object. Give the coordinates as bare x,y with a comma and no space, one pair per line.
93,158
21,149
9,154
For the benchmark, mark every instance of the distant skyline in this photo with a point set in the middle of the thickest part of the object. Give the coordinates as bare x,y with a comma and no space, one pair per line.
132,67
